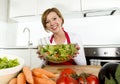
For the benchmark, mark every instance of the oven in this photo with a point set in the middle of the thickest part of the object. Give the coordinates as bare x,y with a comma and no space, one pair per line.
102,55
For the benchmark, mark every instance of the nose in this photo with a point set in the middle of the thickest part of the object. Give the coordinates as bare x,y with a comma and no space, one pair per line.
52,23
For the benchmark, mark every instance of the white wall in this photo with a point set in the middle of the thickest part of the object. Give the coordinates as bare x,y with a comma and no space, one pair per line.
2,32
36,31
7,30
8,34
93,30
96,30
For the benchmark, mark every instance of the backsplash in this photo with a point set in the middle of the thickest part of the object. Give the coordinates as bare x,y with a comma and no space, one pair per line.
93,30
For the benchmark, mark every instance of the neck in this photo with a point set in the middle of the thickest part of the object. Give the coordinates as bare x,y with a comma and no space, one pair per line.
60,37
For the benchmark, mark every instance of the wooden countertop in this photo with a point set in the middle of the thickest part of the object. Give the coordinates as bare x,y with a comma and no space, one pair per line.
88,69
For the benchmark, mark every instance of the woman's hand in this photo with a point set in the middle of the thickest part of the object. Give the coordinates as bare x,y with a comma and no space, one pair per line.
78,48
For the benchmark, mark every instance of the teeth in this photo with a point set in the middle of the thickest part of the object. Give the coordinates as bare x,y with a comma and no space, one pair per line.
54,28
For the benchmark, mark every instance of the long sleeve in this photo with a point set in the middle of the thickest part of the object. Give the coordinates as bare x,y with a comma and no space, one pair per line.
80,59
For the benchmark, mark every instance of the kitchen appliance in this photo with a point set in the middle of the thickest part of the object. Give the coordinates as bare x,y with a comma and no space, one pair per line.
99,55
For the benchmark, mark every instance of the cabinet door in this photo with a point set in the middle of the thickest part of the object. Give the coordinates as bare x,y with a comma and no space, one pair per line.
3,10
24,53
63,5
19,8
35,60
99,4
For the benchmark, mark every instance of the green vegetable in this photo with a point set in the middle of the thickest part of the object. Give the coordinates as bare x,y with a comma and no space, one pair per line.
58,53
7,63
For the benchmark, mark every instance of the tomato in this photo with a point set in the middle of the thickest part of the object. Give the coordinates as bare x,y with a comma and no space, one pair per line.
67,71
81,80
66,79
88,79
92,79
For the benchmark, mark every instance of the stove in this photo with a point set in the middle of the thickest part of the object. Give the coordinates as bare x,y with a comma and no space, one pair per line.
102,55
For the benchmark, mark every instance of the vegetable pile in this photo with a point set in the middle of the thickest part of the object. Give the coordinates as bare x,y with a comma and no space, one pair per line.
34,76
58,53
69,76
8,63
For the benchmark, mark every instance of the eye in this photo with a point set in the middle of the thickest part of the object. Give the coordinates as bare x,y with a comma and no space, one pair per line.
54,18
47,22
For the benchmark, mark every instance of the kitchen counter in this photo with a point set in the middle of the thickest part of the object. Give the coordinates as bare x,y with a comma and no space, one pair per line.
18,47
105,45
35,47
88,69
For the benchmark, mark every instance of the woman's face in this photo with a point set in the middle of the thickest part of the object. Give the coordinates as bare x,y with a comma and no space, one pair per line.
53,22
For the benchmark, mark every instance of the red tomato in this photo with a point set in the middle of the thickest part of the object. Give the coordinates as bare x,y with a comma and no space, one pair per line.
89,79
68,71
66,79
81,80
92,79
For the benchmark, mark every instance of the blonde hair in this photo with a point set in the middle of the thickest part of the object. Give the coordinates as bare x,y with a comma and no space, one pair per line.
46,12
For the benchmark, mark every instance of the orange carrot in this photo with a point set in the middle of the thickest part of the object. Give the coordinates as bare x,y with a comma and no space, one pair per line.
13,81
40,75
37,74
38,71
28,74
38,80
21,78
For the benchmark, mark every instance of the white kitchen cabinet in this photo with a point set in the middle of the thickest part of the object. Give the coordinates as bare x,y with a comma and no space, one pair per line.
99,4
30,9
64,6
3,10
19,8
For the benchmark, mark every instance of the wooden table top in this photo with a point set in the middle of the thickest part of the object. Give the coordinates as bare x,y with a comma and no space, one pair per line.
79,69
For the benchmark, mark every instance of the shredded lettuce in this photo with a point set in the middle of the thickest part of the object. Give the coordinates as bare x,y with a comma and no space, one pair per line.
7,63
58,53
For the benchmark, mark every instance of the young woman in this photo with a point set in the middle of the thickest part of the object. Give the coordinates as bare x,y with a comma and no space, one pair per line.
53,21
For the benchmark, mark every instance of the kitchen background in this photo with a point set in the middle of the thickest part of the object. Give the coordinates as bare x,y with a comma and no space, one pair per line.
94,30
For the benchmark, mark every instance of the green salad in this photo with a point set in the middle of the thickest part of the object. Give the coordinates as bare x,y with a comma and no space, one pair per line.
8,63
58,53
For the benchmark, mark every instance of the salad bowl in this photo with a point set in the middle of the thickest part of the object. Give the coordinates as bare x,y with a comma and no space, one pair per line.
57,53
7,73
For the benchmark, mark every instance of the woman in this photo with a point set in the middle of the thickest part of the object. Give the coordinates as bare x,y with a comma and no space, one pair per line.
52,21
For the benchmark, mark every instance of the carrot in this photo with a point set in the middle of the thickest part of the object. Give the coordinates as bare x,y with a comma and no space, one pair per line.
28,74
40,75
38,80
13,81
21,78
38,71
37,74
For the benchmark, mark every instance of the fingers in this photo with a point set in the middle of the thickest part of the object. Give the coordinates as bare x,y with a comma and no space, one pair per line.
77,46
39,55
77,52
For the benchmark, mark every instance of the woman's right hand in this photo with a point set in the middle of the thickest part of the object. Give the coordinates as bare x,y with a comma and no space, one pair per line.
39,55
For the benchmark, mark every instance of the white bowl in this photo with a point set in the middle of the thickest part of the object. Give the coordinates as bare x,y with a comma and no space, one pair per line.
7,74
